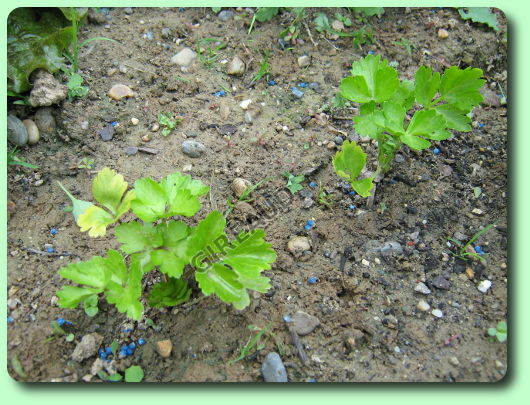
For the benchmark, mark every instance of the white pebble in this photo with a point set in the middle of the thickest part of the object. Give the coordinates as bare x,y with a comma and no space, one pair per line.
423,306
437,313
477,211
135,121
422,288
245,103
365,262
484,286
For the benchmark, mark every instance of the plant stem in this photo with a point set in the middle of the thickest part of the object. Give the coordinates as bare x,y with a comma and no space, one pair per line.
74,39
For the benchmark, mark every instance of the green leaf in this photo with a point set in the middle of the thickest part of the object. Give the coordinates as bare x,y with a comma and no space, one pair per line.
266,13
17,366
454,118
136,237
79,206
173,292
425,122
415,142
249,254
95,220
93,273
134,374
207,239
368,11
461,87
174,195
321,22
91,305
126,297
404,94
70,296
366,124
117,377
36,38
223,282
394,115
75,88
480,15
427,85
108,188
348,164
502,327
169,263
372,79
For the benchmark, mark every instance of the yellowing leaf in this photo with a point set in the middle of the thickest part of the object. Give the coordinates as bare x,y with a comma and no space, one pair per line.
348,164
95,220
108,188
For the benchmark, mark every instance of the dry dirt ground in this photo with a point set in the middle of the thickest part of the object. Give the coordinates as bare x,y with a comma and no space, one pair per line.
370,328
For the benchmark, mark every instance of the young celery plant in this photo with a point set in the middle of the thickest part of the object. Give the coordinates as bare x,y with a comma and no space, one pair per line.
437,104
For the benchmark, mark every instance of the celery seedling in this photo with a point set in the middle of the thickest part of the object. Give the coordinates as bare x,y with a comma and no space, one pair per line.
158,241
444,103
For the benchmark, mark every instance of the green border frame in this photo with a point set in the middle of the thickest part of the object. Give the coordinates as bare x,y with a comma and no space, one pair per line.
514,387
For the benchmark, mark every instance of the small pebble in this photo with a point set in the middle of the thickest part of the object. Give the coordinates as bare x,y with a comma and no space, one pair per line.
135,121
484,286
422,288
141,342
33,132
436,151
164,347
304,61
437,313
245,103
442,33
304,323
120,91
298,245
236,67
365,262
312,280
271,82
454,361
423,306
297,92
273,369
185,57
193,149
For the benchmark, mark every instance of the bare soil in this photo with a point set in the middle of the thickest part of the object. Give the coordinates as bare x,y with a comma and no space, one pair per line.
370,328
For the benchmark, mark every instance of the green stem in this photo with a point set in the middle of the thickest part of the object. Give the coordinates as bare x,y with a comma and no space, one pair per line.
74,39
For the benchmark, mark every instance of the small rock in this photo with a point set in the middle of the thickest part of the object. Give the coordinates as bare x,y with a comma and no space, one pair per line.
239,185
236,67
298,245
308,203
225,15
338,140
454,361
437,313
185,57
490,98
331,145
17,133
477,211
422,288
187,168
33,132
128,10
107,133
245,103
470,273
273,369
303,323
297,92
46,89
305,193
337,25
227,129
484,286
441,283
84,125
304,61
155,127
442,33
459,236
193,149
87,347
135,121
423,306
120,91
45,121
353,339
365,262
164,347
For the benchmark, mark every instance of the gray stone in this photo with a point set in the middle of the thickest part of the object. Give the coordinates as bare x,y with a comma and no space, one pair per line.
374,246
87,347
305,193
423,306
185,57
422,288
193,149
225,15
120,91
165,32
304,61
236,66
338,140
273,369
303,323
46,89
441,283
128,10
45,121
17,133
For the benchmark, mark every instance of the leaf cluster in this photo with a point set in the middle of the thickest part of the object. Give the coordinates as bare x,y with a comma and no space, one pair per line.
294,182
168,123
481,15
157,241
500,331
437,103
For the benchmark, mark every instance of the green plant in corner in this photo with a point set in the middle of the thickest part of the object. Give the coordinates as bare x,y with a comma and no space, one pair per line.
294,182
252,341
156,240
500,331
13,160
169,123
405,42
207,50
86,163
264,70
465,250
437,103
